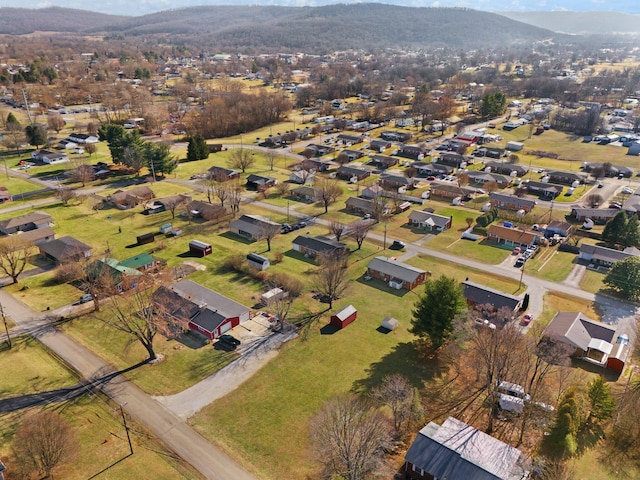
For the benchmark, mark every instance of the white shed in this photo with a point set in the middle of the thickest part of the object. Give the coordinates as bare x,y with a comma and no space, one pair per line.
272,295
515,146
390,323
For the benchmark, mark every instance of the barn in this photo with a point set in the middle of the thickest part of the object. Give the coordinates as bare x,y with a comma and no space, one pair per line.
199,248
258,261
344,317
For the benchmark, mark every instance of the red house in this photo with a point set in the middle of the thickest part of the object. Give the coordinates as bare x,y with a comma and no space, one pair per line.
344,317
207,312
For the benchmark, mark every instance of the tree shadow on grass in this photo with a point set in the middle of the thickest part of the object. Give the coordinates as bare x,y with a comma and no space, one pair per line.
403,360
380,285
236,238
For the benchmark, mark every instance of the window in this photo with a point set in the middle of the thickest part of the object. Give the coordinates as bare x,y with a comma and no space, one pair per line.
417,469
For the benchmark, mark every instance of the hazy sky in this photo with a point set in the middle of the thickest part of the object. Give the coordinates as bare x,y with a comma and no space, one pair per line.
141,7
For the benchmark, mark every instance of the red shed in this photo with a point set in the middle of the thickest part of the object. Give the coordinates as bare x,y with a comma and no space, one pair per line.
199,248
344,317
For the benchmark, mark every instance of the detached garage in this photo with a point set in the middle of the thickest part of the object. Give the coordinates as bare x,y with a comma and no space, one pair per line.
344,317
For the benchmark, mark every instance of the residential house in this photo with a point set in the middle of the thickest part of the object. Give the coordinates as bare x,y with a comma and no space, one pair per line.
510,202
253,227
320,150
363,206
382,162
604,256
23,223
207,312
429,221
373,191
454,159
207,211
396,274
302,176
491,152
613,171
172,202
393,136
599,215
507,168
82,138
319,246
47,156
485,177
593,341
545,190
379,145
457,451
260,182
477,294
451,190
317,164
428,168
304,193
37,236
632,204
512,236
393,182
412,151
347,172
556,227
65,249
141,262
567,178
125,199
112,275
352,155
222,174
349,140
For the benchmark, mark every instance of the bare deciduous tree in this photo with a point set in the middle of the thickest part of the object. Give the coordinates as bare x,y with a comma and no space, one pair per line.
82,172
65,195
271,159
282,188
43,442
241,158
138,315
268,231
327,192
331,281
55,122
235,197
337,229
14,254
396,392
350,438
359,231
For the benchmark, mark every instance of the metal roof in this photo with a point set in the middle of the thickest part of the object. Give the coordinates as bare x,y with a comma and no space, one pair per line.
395,269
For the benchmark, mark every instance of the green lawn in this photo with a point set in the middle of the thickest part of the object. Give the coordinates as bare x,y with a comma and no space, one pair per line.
95,420
551,264
592,281
42,291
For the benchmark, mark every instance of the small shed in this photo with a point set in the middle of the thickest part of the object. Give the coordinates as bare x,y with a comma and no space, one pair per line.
258,261
515,146
145,238
390,323
166,228
272,295
199,248
344,317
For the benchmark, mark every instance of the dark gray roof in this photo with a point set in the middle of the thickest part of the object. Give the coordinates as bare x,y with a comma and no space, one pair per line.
37,218
396,269
603,253
259,179
480,295
318,244
578,330
348,169
253,224
65,248
423,216
511,199
364,204
457,451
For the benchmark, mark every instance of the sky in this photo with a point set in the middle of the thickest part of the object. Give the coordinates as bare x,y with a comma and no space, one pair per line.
142,7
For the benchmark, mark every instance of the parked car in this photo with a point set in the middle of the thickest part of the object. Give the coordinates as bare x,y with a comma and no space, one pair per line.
626,191
600,184
397,245
519,262
527,318
229,340
615,205
87,297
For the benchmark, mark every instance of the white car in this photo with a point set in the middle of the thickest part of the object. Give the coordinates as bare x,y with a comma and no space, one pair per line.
626,191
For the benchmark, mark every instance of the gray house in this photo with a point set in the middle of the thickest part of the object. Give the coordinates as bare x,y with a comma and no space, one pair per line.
253,227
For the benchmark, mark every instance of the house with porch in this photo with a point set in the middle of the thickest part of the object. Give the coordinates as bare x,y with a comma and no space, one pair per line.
548,191
350,140
222,174
390,181
604,256
304,193
567,178
429,221
454,159
396,274
24,223
347,172
362,206
382,161
64,250
451,190
506,168
481,178
47,156
379,145
598,215
124,199
412,151
429,168
260,182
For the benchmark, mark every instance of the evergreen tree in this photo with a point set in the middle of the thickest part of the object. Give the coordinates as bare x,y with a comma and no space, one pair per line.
197,149
624,276
436,310
36,134
12,120
615,228
159,159
603,405
631,236
493,105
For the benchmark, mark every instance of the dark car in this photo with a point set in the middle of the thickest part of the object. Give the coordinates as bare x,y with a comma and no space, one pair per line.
397,245
229,340
519,262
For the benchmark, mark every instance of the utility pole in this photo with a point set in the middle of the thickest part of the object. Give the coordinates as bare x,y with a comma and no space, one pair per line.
126,429
26,105
6,327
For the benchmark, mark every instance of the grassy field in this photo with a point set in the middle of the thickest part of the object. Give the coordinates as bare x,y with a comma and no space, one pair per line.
592,281
95,420
551,264
555,302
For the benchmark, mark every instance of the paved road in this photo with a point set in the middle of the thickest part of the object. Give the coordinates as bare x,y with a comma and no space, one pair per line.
173,431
